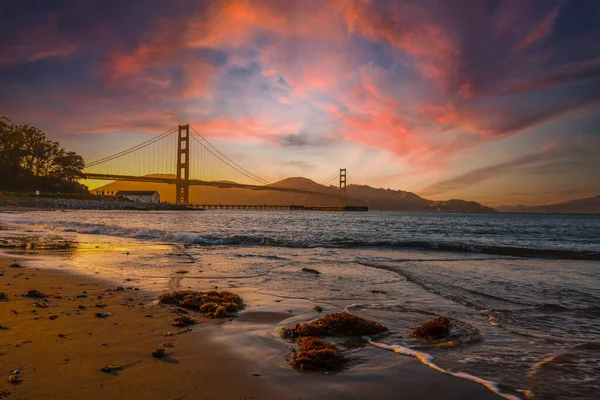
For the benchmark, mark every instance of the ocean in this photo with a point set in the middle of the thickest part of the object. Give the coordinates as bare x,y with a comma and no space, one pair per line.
523,291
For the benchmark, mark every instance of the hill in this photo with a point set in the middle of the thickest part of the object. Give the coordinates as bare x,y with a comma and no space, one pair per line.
376,199
590,205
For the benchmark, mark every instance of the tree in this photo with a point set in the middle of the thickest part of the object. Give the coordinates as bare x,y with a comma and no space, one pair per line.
29,161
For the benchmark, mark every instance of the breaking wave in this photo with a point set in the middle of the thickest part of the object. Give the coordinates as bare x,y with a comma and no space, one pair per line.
196,238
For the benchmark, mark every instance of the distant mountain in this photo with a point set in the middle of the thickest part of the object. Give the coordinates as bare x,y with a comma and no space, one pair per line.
376,199
590,205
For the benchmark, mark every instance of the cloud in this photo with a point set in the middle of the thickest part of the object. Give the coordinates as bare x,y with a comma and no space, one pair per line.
549,158
422,81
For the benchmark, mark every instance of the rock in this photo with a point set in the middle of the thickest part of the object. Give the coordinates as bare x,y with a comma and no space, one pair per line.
159,352
311,271
318,309
35,294
110,368
102,315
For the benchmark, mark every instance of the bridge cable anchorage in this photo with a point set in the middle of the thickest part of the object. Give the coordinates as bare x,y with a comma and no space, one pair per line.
132,149
232,164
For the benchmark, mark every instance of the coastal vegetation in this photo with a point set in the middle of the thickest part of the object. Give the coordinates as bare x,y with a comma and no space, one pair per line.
30,161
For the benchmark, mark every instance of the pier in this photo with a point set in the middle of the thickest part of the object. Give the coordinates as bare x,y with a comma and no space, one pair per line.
277,207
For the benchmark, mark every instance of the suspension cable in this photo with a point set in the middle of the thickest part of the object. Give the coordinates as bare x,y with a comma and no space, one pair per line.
226,159
132,149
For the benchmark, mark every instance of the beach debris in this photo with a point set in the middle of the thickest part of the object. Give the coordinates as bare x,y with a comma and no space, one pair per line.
256,374
434,329
119,288
183,321
314,354
378,292
62,335
53,317
159,352
336,324
110,368
318,309
105,344
446,332
15,265
41,304
3,328
14,379
81,296
311,271
212,304
17,372
102,314
3,296
180,331
100,305
35,294
182,271
4,393
81,307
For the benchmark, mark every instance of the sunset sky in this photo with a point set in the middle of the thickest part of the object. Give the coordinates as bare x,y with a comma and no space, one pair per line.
492,101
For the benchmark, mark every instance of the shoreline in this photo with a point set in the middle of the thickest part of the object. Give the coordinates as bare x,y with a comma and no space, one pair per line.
239,359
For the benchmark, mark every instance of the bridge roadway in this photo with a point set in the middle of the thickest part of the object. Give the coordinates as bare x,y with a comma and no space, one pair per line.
222,185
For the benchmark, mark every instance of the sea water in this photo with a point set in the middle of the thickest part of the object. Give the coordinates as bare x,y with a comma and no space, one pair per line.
524,289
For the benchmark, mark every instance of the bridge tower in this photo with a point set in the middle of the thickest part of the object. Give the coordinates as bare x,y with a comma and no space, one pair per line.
182,186
343,181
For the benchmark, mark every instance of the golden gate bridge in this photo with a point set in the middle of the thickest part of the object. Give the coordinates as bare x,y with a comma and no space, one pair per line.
183,162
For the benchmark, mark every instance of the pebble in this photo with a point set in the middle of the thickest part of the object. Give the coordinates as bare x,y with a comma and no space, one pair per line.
17,372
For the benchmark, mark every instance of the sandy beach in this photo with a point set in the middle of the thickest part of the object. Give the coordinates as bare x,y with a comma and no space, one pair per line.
60,348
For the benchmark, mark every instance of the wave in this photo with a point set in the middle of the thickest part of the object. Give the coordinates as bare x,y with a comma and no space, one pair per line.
427,359
194,238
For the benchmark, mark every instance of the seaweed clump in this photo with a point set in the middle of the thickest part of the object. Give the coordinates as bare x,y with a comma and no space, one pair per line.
183,321
434,329
315,355
35,294
337,324
110,368
212,304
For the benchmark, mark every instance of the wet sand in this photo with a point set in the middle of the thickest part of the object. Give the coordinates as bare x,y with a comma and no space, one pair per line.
59,350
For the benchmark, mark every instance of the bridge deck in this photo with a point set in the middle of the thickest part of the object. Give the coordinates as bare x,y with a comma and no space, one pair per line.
196,182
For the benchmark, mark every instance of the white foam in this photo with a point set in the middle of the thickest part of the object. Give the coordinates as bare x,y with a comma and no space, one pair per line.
427,359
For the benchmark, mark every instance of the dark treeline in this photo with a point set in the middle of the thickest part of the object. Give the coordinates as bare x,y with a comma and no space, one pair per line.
29,161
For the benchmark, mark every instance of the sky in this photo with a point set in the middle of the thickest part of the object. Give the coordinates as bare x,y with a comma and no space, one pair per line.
492,101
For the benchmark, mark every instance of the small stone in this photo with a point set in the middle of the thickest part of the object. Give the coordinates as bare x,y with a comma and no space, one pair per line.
159,352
